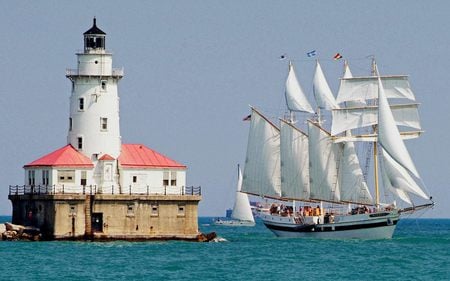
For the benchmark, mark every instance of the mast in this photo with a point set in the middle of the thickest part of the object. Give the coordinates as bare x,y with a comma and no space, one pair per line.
375,150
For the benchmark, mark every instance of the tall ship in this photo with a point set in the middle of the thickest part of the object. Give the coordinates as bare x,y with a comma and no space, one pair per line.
318,173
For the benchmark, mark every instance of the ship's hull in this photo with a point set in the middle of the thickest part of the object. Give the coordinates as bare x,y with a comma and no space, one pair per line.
379,225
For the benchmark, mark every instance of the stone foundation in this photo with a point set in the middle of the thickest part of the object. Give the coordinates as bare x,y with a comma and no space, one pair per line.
109,217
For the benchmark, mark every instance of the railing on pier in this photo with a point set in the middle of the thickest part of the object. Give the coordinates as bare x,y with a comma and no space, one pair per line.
114,190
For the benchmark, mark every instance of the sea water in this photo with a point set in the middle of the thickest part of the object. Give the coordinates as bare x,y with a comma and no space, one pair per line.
420,250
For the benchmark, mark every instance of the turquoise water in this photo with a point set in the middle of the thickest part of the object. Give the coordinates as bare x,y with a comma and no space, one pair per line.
420,250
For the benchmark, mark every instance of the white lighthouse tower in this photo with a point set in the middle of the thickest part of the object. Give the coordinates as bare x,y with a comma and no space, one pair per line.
94,102
94,107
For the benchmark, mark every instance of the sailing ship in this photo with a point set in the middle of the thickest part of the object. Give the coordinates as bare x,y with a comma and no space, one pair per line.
315,176
242,214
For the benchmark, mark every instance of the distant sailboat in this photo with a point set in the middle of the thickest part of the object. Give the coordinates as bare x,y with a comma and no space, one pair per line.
320,172
242,213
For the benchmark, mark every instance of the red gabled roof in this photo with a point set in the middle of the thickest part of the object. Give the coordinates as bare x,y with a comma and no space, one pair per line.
140,156
106,157
66,156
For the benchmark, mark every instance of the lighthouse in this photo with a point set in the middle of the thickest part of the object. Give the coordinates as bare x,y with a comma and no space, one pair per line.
94,128
95,186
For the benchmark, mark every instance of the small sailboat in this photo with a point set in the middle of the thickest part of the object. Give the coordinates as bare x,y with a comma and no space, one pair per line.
242,214
314,176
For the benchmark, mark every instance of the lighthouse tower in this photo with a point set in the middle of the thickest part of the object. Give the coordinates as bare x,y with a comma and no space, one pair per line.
94,102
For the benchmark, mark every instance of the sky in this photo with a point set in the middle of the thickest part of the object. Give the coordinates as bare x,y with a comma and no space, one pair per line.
192,68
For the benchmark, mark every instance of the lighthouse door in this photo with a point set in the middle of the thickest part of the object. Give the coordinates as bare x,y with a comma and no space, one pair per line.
97,222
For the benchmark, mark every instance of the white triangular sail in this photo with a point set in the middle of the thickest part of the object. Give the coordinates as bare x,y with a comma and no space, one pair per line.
262,163
347,71
399,178
389,136
388,185
352,183
294,163
366,88
322,92
295,97
241,209
358,117
324,157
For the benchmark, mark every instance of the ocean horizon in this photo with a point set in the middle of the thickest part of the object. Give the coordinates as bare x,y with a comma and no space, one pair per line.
419,250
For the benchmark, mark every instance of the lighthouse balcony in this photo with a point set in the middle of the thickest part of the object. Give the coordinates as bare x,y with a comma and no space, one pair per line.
115,72
113,190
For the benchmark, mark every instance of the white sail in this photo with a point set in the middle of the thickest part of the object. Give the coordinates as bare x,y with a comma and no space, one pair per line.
294,163
399,178
262,163
322,92
366,88
397,192
352,183
324,156
389,136
241,209
358,117
348,74
295,97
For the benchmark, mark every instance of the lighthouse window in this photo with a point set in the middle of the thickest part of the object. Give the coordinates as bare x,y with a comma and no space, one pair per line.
154,207
45,177
134,179
166,178
104,124
181,210
173,178
80,143
81,103
104,85
31,177
70,124
66,176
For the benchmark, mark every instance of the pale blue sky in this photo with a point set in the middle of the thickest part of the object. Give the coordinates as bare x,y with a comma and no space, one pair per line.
193,67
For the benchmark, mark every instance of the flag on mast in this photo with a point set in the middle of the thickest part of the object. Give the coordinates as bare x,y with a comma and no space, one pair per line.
311,54
337,56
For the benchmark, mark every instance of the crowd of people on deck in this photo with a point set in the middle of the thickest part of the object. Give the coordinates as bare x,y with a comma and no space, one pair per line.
306,211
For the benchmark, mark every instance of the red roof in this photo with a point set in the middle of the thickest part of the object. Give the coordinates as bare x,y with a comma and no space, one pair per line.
66,156
106,157
140,156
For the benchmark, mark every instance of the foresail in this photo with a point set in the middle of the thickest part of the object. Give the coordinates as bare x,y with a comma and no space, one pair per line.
399,178
262,164
241,208
294,163
389,136
322,92
295,97
351,118
366,88
324,157
352,183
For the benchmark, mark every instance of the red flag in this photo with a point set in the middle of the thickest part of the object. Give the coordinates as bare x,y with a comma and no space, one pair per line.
337,56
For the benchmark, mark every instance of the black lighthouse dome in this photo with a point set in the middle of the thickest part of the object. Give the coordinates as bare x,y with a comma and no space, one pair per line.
94,38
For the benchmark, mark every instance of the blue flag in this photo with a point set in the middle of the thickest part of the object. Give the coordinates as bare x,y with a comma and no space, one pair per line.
311,54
